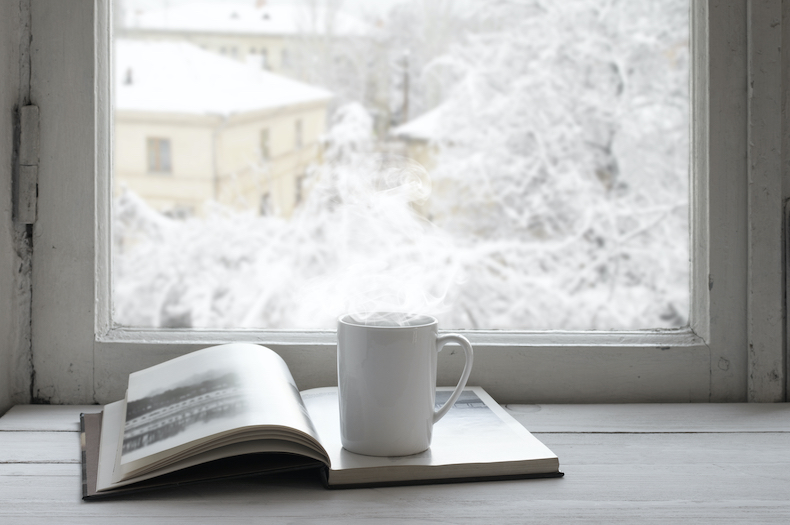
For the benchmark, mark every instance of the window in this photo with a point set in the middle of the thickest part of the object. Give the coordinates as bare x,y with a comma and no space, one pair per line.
264,144
299,189
568,225
265,205
298,135
158,155
707,361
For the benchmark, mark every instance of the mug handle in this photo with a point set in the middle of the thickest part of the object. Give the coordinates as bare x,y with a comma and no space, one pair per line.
461,340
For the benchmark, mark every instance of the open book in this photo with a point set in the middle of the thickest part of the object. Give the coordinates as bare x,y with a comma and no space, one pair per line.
234,410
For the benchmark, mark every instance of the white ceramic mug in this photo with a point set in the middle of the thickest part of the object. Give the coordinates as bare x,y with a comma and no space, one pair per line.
387,382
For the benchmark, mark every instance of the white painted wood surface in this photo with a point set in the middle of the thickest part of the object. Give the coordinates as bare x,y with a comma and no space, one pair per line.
719,194
14,247
36,418
786,174
9,88
644,418
765,303
27,175
63,86
700,463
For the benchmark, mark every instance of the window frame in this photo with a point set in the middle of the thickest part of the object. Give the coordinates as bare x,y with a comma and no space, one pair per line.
80,357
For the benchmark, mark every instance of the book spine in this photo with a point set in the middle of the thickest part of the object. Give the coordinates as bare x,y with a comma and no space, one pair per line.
83,457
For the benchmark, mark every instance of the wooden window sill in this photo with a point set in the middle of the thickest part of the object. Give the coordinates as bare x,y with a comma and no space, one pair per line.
623,463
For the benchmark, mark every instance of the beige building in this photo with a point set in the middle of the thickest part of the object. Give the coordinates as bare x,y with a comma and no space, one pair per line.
252,32
416,137
192,126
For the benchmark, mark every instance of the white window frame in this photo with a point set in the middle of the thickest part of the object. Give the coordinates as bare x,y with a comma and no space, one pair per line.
732,351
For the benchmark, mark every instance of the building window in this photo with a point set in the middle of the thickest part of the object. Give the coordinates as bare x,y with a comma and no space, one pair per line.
264,59
159,156
180,211
264,144
298,135
265,204
299,189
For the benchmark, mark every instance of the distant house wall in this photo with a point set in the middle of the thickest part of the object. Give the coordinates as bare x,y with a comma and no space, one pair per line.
202,146
246,48
417,137
421,151
190,182
246,177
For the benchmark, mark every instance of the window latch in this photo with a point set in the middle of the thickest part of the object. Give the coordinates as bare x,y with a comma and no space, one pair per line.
27,174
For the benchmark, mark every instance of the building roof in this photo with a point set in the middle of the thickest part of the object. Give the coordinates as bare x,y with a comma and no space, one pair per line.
423,127
178,77
247,18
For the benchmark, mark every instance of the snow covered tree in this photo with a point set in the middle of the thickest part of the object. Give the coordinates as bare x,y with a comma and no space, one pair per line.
563,158
355,244
558,199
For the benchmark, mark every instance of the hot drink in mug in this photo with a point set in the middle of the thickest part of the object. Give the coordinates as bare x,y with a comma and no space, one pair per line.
387,382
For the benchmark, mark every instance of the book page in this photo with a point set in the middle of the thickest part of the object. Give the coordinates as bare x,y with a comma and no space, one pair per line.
112,422
209,394
476,432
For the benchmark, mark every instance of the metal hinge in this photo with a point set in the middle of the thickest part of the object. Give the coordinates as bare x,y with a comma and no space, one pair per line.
26,192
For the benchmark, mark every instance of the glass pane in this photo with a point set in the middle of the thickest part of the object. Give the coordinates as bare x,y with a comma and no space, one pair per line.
499,164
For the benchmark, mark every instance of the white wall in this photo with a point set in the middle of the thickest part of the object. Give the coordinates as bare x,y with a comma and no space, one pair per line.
14,285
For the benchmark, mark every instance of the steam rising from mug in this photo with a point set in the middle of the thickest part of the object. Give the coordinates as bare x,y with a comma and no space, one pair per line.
387,256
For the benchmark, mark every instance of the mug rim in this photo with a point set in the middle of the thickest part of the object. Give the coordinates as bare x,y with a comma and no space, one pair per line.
420,321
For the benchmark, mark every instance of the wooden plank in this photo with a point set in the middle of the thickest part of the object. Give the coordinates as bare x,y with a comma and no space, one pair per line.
614,478
39,447
618,478
719,200
14,254
677,476
774,447
685,417
724,450
511,374
689,417
765,299
45,417
786,175
63,84
9,89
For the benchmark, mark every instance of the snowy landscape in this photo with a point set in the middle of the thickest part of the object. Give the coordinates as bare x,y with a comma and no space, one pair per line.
513,165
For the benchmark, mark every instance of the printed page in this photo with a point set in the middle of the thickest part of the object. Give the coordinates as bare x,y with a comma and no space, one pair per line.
477,435
112,422
209,394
